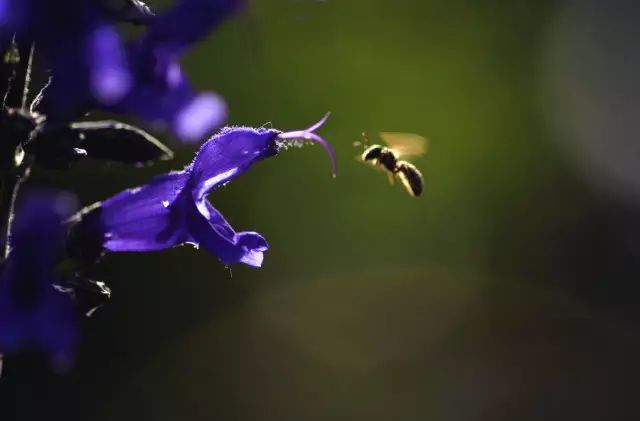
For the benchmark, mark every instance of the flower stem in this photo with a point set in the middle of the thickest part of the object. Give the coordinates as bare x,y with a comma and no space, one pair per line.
27,77
10,187
18,74
18,171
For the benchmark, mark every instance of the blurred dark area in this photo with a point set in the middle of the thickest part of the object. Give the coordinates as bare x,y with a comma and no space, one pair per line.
507,291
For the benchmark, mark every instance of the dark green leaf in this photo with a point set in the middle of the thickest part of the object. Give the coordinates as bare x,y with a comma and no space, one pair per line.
120,142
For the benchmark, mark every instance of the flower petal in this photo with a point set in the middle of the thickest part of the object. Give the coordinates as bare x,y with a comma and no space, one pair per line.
227,155
164,96
196,118
32,313
187,22
144,218
4,12
209,229
109,75
48,324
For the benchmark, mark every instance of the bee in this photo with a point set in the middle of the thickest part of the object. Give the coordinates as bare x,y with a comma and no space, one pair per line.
388,158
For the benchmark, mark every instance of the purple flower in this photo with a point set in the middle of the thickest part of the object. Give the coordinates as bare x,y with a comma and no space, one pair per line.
33,314
173,209
93,67
160,90
80,44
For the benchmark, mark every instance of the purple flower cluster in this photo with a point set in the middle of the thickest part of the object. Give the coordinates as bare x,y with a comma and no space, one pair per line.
91,66
32,312
95,67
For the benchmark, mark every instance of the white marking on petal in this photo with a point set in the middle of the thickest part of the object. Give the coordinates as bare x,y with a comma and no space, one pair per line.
211,183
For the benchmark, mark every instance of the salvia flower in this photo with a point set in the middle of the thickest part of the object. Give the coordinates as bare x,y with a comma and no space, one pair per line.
34,314
173,209
160,90
81,46
92,66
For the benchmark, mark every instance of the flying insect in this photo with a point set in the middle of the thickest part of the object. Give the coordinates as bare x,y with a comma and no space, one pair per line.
388,158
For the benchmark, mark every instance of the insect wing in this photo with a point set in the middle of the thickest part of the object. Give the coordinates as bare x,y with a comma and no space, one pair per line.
405,144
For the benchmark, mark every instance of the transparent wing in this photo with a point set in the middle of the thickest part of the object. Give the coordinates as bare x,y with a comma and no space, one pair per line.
405,144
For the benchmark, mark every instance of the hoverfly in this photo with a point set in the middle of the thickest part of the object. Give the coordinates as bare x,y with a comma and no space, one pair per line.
388,158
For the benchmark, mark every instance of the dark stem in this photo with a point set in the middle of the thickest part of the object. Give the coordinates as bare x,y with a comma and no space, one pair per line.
13,175
16,68
9,64
27,77
10,187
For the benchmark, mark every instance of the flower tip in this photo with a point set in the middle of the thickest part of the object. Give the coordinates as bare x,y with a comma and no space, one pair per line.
326,144
320,123
309,134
